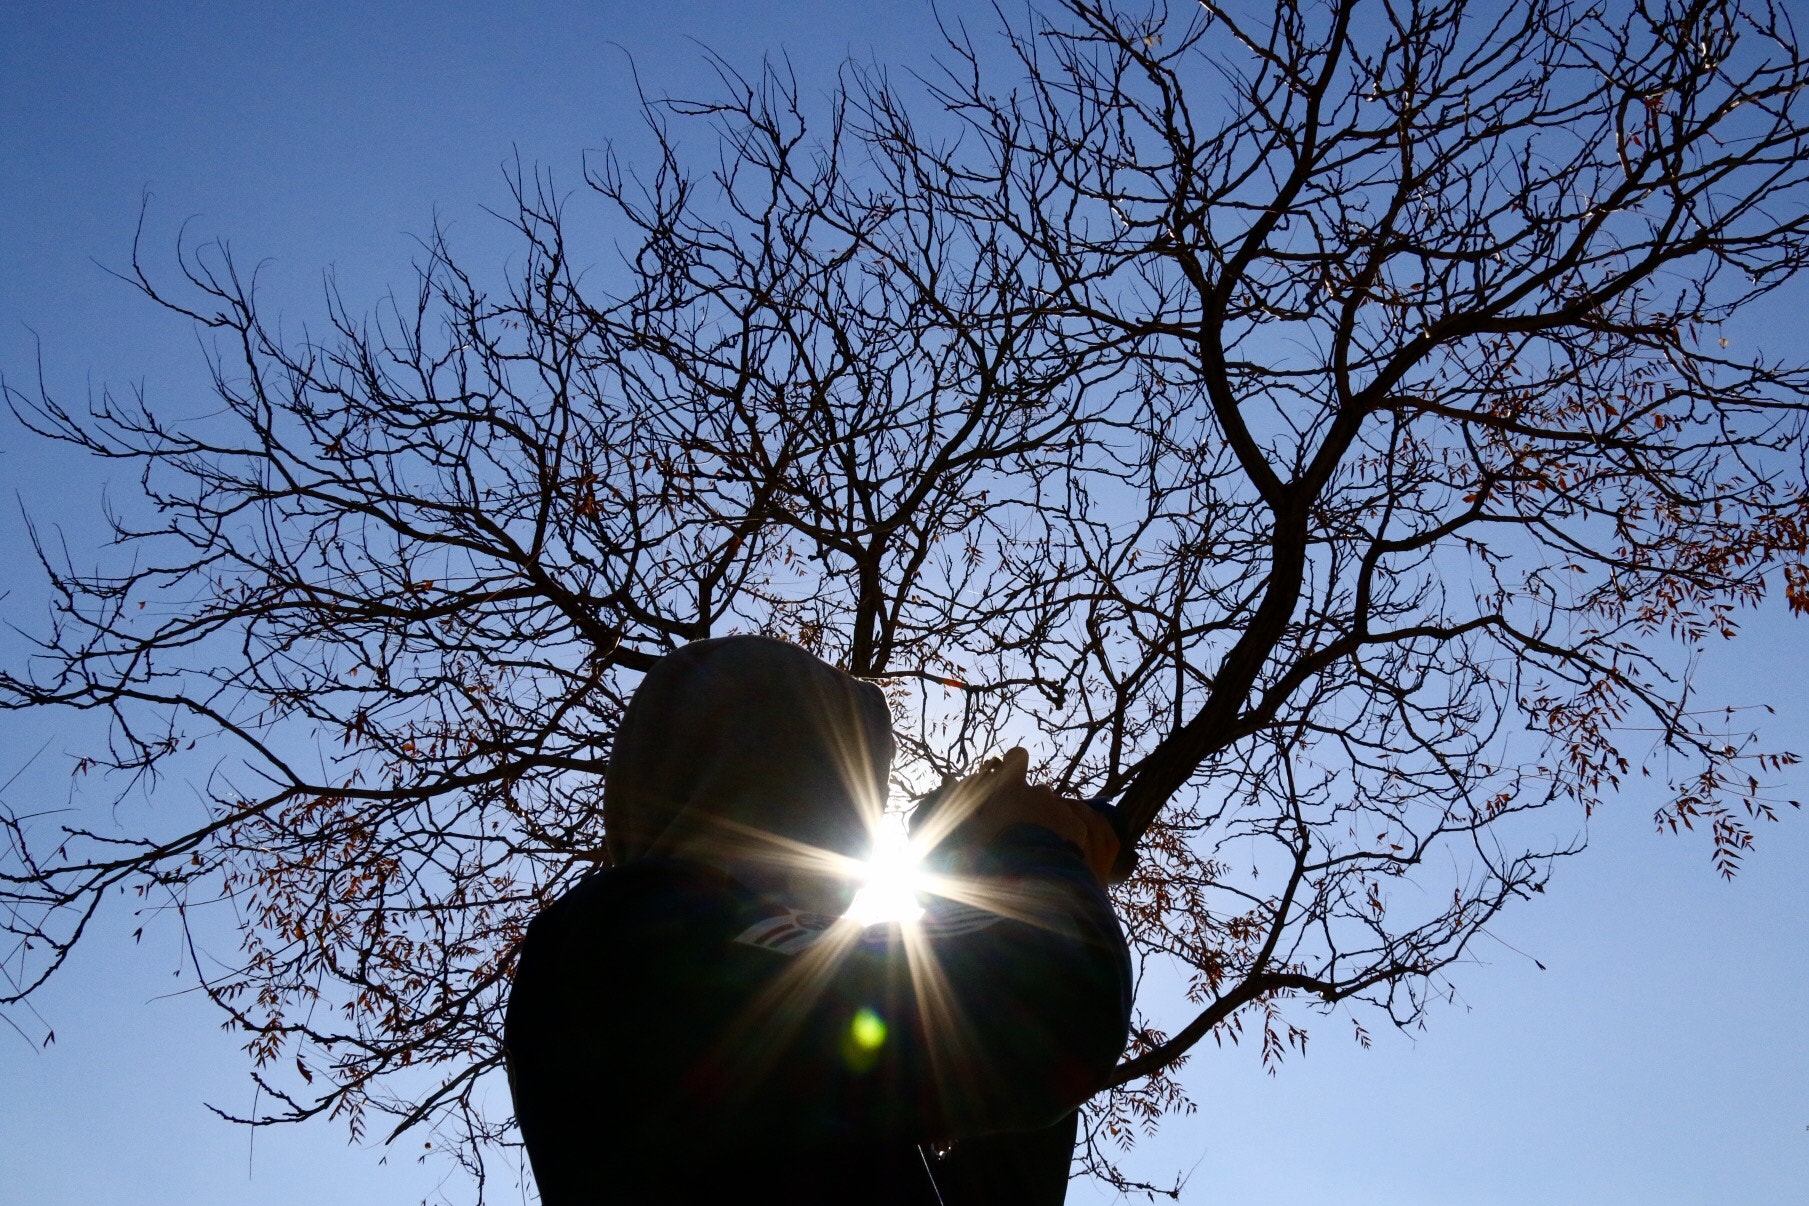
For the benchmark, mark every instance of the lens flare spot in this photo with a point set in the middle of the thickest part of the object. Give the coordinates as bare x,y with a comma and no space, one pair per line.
867,1031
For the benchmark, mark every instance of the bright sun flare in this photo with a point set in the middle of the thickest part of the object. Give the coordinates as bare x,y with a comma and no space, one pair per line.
891,878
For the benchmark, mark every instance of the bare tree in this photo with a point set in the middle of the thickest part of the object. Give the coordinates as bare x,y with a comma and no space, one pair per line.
1308,423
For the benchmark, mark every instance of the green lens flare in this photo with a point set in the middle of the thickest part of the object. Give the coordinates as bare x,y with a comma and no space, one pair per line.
868,1030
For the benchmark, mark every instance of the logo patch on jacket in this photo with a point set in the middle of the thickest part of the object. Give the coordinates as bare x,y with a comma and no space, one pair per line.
786,931
948,918
789,931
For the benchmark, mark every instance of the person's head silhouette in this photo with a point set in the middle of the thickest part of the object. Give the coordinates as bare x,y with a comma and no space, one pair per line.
751,754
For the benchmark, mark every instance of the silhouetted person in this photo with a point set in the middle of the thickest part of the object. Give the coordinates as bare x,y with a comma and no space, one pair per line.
695,1025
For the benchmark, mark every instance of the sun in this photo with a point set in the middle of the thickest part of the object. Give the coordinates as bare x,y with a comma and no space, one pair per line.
890,878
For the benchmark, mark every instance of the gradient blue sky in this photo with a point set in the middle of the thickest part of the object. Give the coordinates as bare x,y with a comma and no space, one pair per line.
1660,1058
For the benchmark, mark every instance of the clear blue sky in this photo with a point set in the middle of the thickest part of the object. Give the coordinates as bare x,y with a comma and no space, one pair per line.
1661,1058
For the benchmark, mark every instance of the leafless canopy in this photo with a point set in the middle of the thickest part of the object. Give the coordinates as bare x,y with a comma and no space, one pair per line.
1313,422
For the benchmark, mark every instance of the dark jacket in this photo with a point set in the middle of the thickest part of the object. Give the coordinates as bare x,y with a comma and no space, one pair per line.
674,1038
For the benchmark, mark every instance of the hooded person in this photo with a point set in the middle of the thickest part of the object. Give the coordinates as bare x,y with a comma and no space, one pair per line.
698,1022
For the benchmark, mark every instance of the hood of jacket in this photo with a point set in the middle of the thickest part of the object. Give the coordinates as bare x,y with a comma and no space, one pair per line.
745,746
